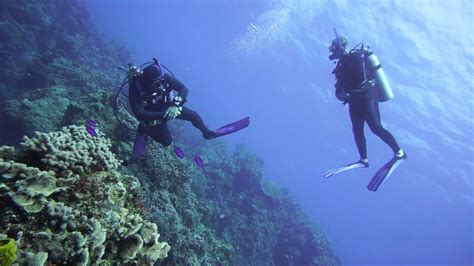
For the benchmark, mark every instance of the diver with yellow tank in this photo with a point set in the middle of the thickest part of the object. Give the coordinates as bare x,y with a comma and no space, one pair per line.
361,82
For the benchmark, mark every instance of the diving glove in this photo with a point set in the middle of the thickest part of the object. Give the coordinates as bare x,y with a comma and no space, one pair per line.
173,112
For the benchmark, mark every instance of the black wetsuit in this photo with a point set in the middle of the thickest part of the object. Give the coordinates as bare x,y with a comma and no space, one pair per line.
149,103
351,71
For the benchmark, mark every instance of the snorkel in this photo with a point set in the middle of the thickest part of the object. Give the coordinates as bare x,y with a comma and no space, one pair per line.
337,47
158,65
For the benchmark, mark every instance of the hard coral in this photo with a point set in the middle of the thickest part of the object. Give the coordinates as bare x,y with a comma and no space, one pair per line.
72,150
67,203
7,251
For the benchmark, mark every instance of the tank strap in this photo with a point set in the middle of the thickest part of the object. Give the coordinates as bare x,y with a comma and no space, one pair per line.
377,67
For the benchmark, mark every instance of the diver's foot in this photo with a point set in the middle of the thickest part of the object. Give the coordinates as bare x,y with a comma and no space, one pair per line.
364,162
400,155
210,134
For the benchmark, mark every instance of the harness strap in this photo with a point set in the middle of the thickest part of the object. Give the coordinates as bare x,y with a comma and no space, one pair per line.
363,66
138,86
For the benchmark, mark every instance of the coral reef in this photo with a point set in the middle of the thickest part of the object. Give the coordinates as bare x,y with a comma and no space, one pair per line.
64,197
261,221
55,108
29,111
53,43
65,202
51,55
224,214
7,251
170,202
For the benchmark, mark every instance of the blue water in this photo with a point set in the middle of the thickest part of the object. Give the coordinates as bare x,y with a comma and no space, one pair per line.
268,60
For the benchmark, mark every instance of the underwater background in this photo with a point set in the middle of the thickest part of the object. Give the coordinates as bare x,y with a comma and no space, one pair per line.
267,60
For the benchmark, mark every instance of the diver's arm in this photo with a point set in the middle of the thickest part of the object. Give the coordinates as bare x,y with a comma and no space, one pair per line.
177,86
137,105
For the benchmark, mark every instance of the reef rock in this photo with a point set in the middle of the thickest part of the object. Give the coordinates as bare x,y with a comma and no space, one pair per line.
64,201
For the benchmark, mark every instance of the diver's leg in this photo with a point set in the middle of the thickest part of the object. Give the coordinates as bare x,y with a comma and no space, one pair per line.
161,134
356,112
373,120
193,117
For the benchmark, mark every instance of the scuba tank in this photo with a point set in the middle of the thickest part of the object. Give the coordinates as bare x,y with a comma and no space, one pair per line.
384,91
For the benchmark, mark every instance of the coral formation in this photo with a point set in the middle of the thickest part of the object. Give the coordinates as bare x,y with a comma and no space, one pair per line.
51,43
7,251
62,196
65,202
223,214
72,151
50,60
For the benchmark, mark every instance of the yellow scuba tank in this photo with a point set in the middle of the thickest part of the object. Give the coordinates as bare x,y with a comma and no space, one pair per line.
384,91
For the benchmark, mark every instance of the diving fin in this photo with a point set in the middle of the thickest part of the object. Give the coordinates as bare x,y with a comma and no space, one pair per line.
230,128
385,172
179,152
358,164
140,141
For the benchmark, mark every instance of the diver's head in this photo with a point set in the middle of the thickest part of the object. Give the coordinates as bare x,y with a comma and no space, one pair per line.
153,75
339,47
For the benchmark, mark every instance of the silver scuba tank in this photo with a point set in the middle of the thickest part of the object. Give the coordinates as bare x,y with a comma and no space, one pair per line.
384,91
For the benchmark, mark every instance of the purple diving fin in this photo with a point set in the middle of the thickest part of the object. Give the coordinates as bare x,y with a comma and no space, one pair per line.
91,123
385,172
179,153
140,141
199,162
232,127
90,127
91,131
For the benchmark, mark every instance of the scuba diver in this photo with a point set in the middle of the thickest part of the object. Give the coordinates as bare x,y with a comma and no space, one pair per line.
361,82
152,103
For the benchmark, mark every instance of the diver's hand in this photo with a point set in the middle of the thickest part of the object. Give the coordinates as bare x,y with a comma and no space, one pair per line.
178,101
173,112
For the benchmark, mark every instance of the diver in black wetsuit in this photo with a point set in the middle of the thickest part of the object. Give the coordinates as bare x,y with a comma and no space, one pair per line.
149,96
356,85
